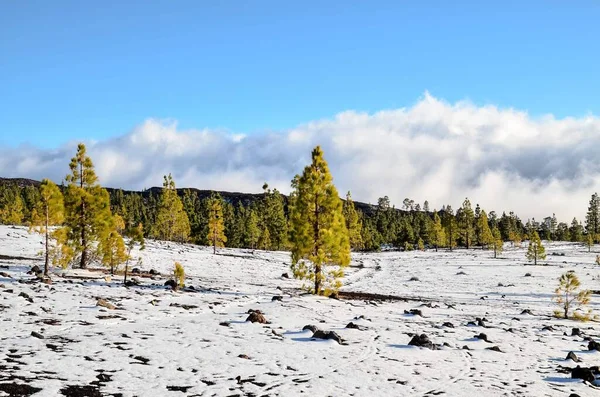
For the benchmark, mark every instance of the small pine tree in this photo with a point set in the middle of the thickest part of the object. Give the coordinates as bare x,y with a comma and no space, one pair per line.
353,223
567,294
319,238
589,242
112,249
48,211
264,241
437,235
216,229
485,234
172,223
136,238
536,250
497,242
179,274
420,244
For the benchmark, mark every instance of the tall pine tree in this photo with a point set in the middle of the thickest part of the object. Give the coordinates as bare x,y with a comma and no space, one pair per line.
49,211
87,206
319,238
592,218
216,228
172,223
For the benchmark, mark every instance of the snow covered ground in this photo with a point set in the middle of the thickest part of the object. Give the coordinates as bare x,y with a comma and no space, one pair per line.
148,347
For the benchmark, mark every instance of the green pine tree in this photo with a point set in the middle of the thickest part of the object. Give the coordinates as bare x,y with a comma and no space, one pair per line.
172,223
450,228
49,211
112,247
87,206
465,219
216,228
11,207
252,230
536,250
437,235
497,243
319,238
353,223
486,237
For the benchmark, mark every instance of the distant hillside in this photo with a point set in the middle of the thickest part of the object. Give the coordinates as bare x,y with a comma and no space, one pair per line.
231,197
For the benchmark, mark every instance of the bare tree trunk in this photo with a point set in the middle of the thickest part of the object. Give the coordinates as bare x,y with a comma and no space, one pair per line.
47,253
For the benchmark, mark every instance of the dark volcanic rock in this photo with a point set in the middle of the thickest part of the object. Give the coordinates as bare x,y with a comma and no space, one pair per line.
37,335
422,341
483,337
575,332
583,373
328,335
448,325
35,270
311,328
285,275
494,348
593,345
572,356
257,317
16,389
414,312
171,283
277,298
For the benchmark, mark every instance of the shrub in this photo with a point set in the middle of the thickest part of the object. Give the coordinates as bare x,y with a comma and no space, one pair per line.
179,274
568,294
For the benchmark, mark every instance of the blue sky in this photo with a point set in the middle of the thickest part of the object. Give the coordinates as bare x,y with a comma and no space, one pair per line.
90,70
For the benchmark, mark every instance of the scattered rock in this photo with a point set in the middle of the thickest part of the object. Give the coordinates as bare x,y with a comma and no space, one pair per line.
224,324
448,325
35,270
414,312
483,337
171,283
183,306
583,373
257,317
494,348
104,303
319,334
37,335
593,345
575,332
414,278
351,325
277,298
244,356
27,297
527,274
422,341
179,388
153,272
135,270
18,389
572,356
547,328
311,328
4,274
527,311
142,359
285,275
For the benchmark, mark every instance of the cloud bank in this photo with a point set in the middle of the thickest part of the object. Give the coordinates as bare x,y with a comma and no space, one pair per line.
502,159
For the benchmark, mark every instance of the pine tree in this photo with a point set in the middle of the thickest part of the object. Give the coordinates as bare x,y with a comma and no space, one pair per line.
273,217
589,242
465,219
179,275
112,248
535,250
353,223
567,293
478,225
264,241
319,237
172,223
576,231
497,242
450,229
136,238
87,206
252,229
485,234
11,208
49,211
216,229
592,218
437,235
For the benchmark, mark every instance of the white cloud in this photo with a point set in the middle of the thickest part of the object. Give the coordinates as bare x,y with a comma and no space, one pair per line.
503,159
